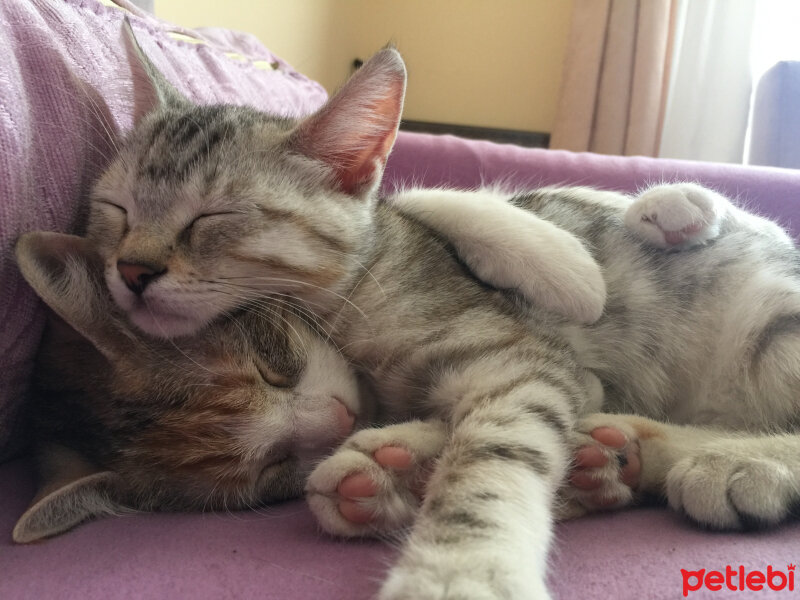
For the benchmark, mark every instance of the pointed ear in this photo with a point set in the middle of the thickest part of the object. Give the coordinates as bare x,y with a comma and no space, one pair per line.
66,273
355,130
72,491
151,90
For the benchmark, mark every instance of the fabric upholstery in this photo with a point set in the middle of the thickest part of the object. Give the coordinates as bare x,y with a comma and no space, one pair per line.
64,81
427,160
278,552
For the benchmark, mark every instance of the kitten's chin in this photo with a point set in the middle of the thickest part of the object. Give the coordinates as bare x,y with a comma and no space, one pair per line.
164,325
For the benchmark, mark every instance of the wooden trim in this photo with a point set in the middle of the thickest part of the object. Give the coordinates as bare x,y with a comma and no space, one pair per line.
529,139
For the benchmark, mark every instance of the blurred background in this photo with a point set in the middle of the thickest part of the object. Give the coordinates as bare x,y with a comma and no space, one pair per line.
695,79
465,58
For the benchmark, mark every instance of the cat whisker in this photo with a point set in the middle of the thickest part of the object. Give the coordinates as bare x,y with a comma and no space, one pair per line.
209,497
272,310
302,313
286,300
102,119
266,278
263,307
336,317
352,259
310,317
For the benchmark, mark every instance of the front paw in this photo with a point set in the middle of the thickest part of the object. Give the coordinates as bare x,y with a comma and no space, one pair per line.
373,485
722,488
677,216
430,579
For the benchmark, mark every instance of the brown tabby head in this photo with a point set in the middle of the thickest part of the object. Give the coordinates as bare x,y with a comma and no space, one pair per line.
233,417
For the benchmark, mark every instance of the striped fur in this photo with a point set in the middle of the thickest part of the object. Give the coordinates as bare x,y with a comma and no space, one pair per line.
704,336
232,418
237,207
434,342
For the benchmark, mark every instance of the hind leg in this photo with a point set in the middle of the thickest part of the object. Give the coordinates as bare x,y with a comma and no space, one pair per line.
738,483
720,480
616,459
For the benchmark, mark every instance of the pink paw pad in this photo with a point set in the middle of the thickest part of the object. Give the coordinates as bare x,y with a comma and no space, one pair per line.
359,485
588,459
393,457
678,237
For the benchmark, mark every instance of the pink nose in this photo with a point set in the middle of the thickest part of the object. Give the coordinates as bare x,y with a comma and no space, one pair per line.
137,275
344,418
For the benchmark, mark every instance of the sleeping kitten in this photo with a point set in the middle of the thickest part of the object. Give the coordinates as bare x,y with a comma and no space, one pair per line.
232,418
706,340
210,208
500,386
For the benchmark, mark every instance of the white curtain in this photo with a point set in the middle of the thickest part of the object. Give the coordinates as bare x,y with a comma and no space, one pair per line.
615,74
708,99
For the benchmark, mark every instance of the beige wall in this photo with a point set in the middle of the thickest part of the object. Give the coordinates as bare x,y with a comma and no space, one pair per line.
491,63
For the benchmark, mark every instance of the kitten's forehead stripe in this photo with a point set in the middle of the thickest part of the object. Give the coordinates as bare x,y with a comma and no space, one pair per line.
178,144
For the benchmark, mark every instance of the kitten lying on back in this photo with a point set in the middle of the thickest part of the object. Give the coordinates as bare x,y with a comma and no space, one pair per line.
232,418
716,356
291,210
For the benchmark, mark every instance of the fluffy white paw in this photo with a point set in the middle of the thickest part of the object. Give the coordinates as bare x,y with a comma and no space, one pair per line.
721,488
676,216
374,483
435,580
606,466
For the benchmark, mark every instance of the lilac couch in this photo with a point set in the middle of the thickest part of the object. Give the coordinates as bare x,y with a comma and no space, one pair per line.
278,553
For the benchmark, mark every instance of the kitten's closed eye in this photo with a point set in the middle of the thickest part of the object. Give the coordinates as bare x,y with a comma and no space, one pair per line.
204,223
274,378
113,216
210,216
111,204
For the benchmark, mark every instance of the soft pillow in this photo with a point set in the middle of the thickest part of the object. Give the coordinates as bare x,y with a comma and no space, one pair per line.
64,81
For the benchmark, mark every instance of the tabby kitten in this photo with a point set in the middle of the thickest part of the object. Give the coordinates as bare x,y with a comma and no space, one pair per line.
232,418
701,343
208,208
271,208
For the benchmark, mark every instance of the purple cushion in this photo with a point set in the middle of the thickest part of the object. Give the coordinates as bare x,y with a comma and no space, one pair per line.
63,65
279,554
430,160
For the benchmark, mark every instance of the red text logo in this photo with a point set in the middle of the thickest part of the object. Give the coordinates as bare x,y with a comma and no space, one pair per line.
738,579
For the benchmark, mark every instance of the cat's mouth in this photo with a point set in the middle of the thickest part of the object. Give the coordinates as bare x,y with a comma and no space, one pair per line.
159,322
159,312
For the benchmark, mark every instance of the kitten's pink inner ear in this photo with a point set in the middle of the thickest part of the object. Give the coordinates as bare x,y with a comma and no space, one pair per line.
367,163
355,131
